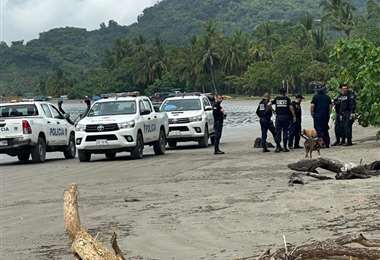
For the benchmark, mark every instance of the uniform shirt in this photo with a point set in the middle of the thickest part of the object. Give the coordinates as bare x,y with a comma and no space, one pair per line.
297,110
321,104
345,104
264,111
217,112
282,104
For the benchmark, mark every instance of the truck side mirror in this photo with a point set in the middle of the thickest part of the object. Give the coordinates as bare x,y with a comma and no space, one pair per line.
208,108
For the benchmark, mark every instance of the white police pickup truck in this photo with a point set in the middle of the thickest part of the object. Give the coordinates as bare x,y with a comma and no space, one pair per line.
121,124
190,119
34,128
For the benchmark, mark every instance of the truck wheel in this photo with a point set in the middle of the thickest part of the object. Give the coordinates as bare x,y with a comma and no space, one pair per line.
111,155
23,156
39,151
159,146
70,150
84,156
138,152
172,144
203,143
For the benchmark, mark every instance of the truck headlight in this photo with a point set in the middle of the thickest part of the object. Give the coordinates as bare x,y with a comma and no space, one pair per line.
80,128
196,119
126,125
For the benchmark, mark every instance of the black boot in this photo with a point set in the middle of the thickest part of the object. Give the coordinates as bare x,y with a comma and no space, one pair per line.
278,149
286,150
349,143
337,143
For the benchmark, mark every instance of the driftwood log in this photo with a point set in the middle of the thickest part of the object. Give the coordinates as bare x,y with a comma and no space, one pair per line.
85,246
340,248
343,171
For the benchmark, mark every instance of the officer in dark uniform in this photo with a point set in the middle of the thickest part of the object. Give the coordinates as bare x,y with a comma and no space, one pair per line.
296,125
264,112
284,114
339,131
321,106
345,115
219,115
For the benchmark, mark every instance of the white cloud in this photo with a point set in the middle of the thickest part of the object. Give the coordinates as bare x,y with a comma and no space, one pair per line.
24,19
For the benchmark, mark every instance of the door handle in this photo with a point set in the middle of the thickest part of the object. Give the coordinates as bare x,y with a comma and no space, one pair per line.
58,123
149,118
48,122
155,117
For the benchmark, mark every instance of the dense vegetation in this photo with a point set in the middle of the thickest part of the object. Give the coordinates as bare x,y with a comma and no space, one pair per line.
236,47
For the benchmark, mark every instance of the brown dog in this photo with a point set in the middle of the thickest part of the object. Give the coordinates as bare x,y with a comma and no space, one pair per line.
312,142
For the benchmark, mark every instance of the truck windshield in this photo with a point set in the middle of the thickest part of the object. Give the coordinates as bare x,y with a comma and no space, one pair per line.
22,110
181,105
113,108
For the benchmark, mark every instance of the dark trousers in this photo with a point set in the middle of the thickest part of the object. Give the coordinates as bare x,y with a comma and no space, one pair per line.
265,126
339,130
295,134
282,130
218,129
321,125
347,123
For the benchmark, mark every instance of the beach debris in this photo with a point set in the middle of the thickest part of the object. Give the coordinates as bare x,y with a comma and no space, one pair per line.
84,245
343,170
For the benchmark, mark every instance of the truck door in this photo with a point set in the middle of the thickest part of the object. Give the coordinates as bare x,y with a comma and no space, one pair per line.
209,115
50,124
60,131
147,119
154,127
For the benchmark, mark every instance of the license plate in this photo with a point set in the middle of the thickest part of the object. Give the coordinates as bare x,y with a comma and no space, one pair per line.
3,143
175,133
101,142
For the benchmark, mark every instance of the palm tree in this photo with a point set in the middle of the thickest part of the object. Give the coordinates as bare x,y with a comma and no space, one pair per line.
267,35
235,54
340,14
319,38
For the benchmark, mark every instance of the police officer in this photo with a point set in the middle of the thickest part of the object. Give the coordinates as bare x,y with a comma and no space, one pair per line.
339,131
264,112
219,115
321,106
296,125
345,115
284,114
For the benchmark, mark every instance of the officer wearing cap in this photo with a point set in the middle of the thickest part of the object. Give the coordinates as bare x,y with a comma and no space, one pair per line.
321,106
264,112
345,104
296,125
284,114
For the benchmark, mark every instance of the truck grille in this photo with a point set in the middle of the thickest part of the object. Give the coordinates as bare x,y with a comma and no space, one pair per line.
173,121
179,128
93,138
101,128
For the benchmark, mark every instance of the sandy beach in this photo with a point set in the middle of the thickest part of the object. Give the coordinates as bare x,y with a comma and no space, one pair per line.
187,204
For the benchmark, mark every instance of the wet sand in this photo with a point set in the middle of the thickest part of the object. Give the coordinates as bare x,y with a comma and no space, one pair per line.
187,204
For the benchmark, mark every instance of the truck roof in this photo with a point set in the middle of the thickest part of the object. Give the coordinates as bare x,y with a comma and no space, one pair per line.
23,103
121,99
186,97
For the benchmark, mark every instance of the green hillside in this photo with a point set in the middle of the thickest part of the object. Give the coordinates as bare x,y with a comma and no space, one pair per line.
24,66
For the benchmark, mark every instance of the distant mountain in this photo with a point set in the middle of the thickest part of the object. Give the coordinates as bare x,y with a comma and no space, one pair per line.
78,50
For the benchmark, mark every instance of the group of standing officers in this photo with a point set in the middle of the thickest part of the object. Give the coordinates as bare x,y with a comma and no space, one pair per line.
287,128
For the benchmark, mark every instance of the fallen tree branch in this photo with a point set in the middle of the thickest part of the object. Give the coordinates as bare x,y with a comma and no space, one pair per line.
343,171
84,246
329,249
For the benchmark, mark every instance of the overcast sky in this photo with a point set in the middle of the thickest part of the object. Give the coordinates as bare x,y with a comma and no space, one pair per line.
25,19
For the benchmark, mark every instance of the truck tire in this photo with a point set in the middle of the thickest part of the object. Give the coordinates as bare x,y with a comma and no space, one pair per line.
138,152
23,156
172,144
70,150
39,151
111,155
203,143
84,156
159,146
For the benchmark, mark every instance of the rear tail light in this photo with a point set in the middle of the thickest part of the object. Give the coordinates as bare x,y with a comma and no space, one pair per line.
26,128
